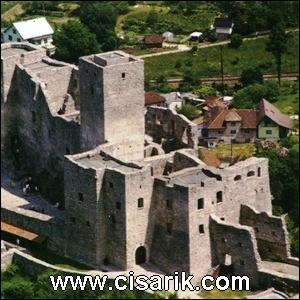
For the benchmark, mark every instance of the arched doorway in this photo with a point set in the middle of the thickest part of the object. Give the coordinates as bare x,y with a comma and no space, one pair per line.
140,255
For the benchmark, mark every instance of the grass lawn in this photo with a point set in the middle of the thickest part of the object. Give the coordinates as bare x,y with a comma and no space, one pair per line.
206,61
288,101
223,152
229,294
139,13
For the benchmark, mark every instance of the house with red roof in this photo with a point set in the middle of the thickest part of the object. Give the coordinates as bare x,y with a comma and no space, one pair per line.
223,125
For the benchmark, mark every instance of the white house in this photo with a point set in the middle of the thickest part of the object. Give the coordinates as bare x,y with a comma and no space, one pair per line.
195,36
223,27
36,31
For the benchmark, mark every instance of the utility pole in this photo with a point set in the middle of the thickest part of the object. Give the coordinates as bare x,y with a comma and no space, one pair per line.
222,68
231,152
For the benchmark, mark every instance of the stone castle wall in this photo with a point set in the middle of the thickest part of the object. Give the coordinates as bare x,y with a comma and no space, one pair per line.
270,231
172,130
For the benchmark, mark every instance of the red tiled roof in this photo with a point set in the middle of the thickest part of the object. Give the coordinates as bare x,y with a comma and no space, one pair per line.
218,121
248,118
269,110
209,158
213,101
152,98
153,39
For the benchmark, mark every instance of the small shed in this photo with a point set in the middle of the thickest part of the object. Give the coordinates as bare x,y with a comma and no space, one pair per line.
168,36
153,41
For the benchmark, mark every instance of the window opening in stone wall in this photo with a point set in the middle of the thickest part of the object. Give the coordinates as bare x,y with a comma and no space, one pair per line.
201,229
250,173
259,171
237,177
169,228
201,203
219,197
80,197
33,116
140,202
169,204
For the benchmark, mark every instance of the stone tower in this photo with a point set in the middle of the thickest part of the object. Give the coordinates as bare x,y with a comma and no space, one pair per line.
112,103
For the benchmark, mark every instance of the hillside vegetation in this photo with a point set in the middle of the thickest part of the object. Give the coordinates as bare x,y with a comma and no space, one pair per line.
206,61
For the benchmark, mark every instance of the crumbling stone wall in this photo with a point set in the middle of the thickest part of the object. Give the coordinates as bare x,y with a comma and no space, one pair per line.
33,127
172,130
8,62
239,242
270,231
183,160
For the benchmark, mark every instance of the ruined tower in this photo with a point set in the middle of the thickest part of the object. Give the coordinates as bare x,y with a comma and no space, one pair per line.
112,103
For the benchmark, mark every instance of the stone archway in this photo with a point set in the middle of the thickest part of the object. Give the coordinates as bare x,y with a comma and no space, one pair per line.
140,255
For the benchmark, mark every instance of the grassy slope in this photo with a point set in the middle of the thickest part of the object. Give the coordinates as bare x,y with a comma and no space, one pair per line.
13,11
200,20
288,101
206,62
6,5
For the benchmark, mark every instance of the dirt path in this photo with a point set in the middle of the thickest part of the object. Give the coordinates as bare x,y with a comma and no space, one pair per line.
12,13
185,47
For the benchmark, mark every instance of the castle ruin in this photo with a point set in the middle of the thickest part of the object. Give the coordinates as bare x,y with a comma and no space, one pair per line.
80,132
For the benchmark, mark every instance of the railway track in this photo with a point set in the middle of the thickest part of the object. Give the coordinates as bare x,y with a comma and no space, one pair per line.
236,79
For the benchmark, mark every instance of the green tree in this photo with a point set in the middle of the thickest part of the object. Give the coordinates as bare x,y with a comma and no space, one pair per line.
189,81
250,96
277,45
236,41
100,18
284,184
17,288
251,76
73,40
188,110
152,18
205,91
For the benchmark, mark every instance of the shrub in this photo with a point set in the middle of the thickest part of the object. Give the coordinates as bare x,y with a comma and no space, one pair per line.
206,91
178,64
251,76
188,110
236,41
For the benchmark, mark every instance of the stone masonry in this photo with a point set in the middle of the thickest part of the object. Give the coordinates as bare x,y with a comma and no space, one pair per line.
81,134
